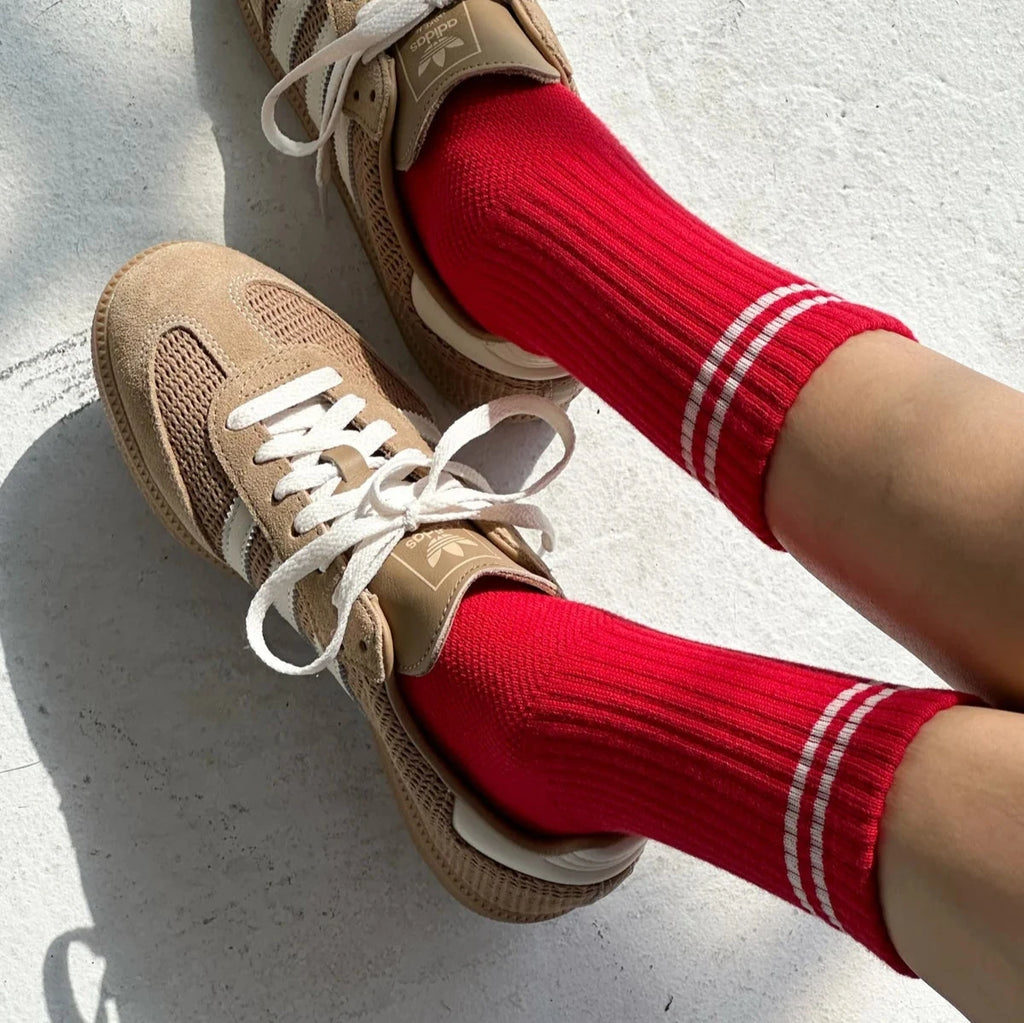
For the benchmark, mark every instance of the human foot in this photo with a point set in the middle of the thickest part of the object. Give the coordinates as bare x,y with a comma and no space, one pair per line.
367,80
548,232
272,442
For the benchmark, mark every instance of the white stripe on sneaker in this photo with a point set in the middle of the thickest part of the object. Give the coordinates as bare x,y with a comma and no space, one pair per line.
739,371
316,83
799,784
286,25
714,360
820,810
235,537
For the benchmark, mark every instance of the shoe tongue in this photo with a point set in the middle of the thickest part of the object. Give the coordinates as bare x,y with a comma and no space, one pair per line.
421,585
474,37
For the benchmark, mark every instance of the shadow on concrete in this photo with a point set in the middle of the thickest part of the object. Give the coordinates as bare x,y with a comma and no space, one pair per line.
238,848
231,826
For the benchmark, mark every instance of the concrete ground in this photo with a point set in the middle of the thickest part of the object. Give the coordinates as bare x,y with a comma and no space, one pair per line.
186,836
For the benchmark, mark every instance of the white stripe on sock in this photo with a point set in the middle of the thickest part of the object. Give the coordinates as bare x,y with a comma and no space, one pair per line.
799,784
234,537
739,371
820,810
714,361
286,26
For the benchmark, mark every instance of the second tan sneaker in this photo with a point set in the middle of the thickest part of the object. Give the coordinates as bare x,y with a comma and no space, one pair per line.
272,442
367,79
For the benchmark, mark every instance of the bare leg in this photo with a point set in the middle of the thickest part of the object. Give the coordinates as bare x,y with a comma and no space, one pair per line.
898,480
951,860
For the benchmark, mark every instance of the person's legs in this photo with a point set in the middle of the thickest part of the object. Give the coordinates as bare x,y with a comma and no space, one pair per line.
898,480
889,481
570,721
951,858
888,811
898,475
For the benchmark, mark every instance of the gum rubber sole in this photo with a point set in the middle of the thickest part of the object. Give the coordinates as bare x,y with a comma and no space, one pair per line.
119,420
425,841
457,378
440,851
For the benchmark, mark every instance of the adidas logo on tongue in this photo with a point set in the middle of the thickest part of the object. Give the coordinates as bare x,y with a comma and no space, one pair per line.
437,45
435,555
445,543
434,44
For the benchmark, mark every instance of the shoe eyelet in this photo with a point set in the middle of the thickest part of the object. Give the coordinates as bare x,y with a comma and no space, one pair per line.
363,645
355,95
373,95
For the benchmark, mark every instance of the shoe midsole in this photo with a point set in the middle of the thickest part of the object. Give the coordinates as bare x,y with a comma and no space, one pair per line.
579,867
498,356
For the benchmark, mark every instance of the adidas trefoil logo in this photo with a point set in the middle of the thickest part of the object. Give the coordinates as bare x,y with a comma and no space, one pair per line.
441,43
439,55
446,543
434,45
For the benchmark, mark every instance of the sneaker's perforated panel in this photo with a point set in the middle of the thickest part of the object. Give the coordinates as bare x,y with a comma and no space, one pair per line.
259,560
291,319
186,379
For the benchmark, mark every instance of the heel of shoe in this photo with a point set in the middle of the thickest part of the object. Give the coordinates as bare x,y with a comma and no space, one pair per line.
479,881
589,865
465,383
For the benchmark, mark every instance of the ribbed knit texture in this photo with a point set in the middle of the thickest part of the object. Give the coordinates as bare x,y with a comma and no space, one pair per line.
572,721
550,234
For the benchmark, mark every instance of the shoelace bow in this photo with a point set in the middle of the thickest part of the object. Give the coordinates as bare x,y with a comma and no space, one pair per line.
379,24
372,518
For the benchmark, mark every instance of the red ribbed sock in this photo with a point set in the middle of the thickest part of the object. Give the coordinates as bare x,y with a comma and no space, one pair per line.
572,721
549,234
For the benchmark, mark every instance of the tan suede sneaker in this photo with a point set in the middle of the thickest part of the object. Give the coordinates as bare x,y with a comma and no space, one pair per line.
271,441
367,79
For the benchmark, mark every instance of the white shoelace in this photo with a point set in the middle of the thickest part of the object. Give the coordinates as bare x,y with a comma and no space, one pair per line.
379,24
370,519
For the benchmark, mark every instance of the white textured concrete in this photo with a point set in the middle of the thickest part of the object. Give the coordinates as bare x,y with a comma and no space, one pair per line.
184,836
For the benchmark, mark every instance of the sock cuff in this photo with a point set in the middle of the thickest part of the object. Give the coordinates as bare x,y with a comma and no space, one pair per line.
732,423
837,804
550,234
